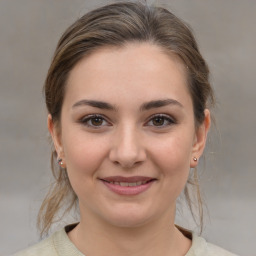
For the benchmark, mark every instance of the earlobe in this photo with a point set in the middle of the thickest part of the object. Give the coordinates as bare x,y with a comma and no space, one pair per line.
55,134
200,139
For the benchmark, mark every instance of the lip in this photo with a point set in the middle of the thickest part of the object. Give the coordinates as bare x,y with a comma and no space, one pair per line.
127,179
128,190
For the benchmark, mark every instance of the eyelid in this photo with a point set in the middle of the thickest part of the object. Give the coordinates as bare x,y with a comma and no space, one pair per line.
169,118
84,120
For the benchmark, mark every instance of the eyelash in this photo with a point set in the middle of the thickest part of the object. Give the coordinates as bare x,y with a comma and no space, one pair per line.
168,121
85,121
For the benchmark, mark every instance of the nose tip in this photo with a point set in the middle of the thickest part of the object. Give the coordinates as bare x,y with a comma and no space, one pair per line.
126,165
127,152
127,158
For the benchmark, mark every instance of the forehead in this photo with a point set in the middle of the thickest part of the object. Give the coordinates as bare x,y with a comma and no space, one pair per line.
136,69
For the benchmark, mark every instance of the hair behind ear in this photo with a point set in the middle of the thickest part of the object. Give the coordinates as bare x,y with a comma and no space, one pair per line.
192,187
59,196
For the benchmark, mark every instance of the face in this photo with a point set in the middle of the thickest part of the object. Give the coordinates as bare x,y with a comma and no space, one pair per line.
128,135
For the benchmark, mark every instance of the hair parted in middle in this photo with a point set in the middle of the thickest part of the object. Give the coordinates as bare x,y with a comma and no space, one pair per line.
116,25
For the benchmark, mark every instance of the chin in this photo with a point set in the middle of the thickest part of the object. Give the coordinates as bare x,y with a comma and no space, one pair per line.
129,216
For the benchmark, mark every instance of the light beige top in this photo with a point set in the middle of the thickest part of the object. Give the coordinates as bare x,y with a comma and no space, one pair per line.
59,244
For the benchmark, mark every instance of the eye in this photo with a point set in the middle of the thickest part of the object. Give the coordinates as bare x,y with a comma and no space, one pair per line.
160,120
94,121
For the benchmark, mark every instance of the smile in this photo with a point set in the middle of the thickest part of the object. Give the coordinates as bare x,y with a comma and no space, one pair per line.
128,185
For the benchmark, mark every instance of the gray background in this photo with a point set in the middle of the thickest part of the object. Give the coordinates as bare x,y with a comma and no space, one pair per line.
226,33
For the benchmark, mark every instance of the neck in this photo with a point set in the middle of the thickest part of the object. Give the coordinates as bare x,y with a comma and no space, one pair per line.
94,237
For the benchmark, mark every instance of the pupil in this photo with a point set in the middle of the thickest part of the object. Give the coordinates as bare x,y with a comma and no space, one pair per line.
97,121
158,121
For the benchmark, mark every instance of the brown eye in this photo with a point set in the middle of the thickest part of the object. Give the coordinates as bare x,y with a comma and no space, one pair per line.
158,121
94,121
97,121
161,121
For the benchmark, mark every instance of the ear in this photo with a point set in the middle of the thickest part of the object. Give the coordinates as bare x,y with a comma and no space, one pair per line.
200,139
56,137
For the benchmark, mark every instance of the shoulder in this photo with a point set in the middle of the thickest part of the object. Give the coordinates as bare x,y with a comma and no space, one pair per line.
215,250
43,248
202,248
57,244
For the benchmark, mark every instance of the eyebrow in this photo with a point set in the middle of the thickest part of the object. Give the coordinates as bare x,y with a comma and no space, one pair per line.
145,106
159,104
95,104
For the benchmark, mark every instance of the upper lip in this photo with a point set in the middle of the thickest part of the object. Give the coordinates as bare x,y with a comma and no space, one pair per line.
127,179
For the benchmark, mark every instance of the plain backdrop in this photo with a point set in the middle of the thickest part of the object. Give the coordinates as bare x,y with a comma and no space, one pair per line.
225,30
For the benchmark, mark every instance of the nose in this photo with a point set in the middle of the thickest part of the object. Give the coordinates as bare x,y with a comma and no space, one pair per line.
127,148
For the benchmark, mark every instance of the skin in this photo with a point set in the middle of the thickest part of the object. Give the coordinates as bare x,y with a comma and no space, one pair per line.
127,141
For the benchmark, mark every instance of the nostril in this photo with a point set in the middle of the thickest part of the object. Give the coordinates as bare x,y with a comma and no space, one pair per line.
127,165
127,157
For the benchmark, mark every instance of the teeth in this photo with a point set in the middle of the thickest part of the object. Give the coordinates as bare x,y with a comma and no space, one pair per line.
128,184
132,184
124,184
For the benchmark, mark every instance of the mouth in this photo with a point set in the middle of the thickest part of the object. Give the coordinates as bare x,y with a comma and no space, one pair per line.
128,185
128,181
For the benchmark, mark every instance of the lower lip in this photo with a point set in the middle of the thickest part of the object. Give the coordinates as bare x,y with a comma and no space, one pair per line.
135,190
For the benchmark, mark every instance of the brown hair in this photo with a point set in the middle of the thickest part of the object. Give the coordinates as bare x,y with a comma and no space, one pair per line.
115,25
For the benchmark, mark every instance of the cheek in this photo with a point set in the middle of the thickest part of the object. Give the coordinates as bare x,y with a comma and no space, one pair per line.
83,156
173,153
172,158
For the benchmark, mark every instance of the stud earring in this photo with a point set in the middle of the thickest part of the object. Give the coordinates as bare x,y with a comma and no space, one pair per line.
60,162
195,159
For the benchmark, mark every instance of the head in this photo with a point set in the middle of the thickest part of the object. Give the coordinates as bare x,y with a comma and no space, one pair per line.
124,26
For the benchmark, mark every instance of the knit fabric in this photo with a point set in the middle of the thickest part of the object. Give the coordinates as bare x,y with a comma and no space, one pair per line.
59,244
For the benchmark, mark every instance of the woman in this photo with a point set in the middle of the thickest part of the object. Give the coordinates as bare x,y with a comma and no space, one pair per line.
128,98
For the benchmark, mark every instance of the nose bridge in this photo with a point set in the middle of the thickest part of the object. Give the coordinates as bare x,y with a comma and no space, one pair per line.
127,148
